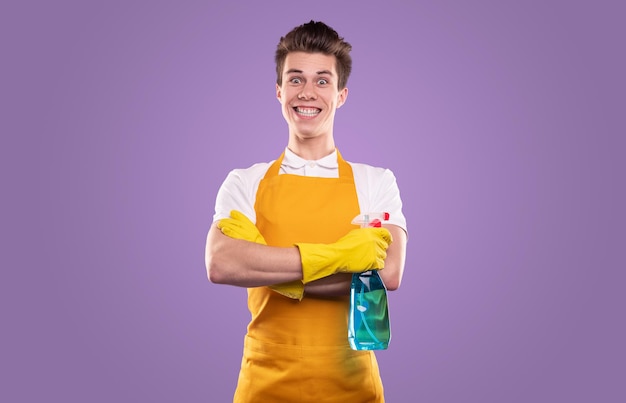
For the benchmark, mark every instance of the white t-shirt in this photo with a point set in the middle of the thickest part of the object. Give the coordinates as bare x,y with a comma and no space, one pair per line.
376,188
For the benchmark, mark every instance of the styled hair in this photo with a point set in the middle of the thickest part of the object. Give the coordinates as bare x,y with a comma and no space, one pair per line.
315,37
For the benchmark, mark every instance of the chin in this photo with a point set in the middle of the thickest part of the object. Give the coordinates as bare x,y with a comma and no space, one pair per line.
308,134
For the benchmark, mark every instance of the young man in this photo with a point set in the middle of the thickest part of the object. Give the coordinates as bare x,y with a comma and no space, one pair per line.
283,229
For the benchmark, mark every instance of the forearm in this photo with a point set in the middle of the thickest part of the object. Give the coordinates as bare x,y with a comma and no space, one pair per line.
332,286
248,264
396,256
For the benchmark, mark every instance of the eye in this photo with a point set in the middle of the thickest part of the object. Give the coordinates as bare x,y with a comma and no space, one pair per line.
322,81
295,80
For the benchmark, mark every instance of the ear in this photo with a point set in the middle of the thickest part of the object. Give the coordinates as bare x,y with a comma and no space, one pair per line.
341,98
279,93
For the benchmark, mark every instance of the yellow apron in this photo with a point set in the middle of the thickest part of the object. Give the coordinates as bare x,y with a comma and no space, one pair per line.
297,351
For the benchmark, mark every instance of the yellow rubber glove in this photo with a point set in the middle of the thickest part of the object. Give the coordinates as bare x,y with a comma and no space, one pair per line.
238,226
360,250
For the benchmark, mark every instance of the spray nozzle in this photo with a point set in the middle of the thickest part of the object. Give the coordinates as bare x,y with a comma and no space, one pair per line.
370,219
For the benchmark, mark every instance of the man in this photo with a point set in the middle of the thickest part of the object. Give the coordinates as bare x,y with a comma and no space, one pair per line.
283,229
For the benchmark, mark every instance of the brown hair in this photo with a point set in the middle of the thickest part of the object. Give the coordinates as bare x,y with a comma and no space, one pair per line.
315,37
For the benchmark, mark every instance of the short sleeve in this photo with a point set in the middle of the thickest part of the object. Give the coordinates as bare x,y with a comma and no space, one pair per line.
378,191
238,192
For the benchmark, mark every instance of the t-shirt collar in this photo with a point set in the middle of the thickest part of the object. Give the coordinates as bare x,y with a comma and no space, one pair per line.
294,161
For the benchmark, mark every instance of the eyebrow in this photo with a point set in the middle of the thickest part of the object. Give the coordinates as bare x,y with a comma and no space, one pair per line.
321,72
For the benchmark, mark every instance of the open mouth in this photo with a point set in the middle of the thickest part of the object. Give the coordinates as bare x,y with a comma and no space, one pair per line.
307,112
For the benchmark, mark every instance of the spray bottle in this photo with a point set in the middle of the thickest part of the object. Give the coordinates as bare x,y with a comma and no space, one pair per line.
368,326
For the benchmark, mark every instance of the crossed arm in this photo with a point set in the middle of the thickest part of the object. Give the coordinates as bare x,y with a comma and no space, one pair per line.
250,264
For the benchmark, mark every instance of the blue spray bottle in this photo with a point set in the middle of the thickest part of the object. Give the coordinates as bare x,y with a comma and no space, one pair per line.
368,325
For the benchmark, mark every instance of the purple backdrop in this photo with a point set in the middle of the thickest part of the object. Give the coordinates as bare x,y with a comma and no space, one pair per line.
120,119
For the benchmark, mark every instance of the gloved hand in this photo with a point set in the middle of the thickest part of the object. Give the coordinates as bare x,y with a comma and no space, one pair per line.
238,226
360,250
292,289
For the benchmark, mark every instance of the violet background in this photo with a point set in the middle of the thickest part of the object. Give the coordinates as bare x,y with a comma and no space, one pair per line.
503,122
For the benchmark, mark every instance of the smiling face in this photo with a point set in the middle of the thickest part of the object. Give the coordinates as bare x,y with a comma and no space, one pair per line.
309,97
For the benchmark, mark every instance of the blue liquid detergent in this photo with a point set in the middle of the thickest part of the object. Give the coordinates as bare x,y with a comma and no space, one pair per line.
368,326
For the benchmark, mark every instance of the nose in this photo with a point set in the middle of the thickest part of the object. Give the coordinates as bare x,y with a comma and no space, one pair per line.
307,92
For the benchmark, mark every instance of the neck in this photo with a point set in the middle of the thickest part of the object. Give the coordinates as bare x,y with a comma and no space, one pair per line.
312,148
